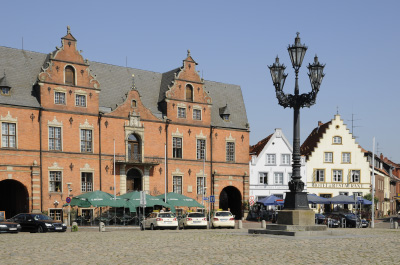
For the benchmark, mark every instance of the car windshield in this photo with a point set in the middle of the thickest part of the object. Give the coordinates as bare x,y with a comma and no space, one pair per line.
223,214
166,215
350,216
40,217
196,215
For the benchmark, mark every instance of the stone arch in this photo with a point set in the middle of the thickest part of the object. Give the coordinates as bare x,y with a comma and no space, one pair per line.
14,197
134,180
231,198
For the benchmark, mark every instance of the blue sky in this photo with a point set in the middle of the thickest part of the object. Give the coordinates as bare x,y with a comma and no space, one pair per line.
234,42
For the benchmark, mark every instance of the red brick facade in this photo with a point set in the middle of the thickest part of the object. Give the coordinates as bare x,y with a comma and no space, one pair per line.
37,153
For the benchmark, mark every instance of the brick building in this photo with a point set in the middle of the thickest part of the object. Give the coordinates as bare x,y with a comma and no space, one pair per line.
60,115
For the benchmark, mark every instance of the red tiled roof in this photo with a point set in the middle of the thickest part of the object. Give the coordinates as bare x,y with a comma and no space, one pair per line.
258,147
313,139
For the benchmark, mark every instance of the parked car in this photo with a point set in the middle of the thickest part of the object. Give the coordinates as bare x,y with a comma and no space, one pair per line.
193,220
159,220
364,223
37,222
9,227
332,223
223,219
319,218
351,219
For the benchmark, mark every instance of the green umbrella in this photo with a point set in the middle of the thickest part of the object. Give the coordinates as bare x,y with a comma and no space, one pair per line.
97,199
134,200
176,199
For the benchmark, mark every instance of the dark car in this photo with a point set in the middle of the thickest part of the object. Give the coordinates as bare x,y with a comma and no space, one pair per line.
319,218
37,222
9,227
351,219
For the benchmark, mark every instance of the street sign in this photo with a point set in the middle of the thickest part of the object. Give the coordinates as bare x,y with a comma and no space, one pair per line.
251,200
212,199
205,198
68,199
143,199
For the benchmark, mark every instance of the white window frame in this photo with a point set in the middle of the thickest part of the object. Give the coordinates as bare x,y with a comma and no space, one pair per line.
318,177
200,185
346,157
174,146
328,157
52,183
278,178
335,176
54,211
182,112
263,178
285,157
201,152
230,155
175,185
270,159
84,188
91,141
352,178
57,100
55,139
337,140
6,144
197,114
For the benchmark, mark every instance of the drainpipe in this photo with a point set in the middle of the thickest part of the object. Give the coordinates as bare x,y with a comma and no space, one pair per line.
41,160
99,122
211,163
166,152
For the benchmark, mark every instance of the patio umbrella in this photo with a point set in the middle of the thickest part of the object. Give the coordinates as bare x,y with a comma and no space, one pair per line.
97,199
362,201
133,200
271,200
176,199
341,199
313,198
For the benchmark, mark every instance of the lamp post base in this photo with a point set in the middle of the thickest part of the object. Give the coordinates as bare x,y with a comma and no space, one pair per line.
296,201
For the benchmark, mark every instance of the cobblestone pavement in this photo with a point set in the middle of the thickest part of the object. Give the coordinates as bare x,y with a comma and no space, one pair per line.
220,246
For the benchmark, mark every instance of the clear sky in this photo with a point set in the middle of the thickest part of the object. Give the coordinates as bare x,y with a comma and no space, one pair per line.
234,42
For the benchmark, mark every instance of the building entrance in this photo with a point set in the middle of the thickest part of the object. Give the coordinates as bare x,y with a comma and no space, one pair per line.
230,198
14,197
133,180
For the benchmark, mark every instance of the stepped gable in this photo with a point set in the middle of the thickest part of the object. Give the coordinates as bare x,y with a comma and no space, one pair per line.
312,140
258,147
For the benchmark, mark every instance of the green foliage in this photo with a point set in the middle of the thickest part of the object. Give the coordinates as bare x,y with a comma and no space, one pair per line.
74,228
369,197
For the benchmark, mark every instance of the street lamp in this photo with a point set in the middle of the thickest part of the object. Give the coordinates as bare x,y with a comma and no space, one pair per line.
296,199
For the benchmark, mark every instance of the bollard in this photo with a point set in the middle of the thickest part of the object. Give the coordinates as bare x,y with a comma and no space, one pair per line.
74,227
263,224
391,223
102,227
396,225
240,224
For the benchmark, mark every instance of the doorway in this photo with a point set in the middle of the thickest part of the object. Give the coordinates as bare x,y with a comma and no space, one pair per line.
134,180
14,197
231,199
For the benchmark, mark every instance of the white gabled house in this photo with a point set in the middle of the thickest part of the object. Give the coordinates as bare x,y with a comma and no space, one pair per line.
336,164
271,167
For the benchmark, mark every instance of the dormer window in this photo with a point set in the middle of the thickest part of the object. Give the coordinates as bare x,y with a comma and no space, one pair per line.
69,76
5,91
224,113
4,86
189,93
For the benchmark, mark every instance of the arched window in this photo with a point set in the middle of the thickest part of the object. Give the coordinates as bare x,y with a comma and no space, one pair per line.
189,93
69,75
134,148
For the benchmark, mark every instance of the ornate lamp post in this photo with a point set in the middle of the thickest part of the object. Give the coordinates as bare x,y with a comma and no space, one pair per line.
296,199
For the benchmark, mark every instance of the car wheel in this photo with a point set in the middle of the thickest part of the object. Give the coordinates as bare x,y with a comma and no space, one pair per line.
39,229
151,227
141,227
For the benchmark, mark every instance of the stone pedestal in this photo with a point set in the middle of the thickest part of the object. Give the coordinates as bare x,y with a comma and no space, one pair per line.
296,217
294,223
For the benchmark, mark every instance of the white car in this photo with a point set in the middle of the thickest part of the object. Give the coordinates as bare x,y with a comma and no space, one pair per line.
195,219
160,220
223,219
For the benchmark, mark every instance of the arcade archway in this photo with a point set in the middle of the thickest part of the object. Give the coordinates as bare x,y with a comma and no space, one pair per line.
230,198
14,197
134,180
